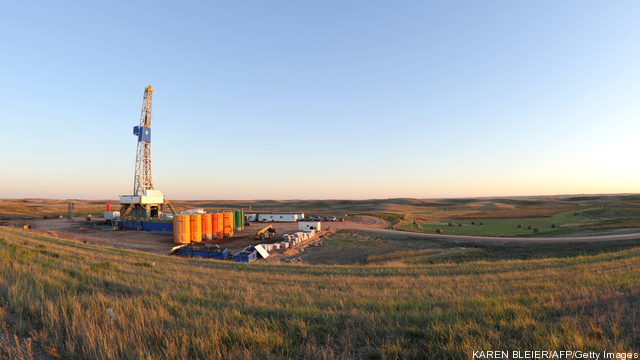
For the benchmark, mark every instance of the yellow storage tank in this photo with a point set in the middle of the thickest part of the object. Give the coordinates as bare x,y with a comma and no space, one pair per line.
196,227
207,230
181,227
227,224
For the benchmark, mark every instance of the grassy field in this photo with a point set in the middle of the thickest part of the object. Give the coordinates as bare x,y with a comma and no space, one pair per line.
502,227
37,208
362,248
566,223
174,308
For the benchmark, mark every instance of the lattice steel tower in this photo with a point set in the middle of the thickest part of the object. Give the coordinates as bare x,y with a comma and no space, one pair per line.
142,178
145,200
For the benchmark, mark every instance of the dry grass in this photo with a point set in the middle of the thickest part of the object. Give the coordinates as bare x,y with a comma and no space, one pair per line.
11,348
404,255
37,208
519,212
197,309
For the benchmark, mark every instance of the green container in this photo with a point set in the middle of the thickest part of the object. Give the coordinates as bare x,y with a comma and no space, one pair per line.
235,219
237,216
242,222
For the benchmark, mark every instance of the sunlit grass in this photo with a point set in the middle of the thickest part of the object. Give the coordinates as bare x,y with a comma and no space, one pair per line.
501,227
188,308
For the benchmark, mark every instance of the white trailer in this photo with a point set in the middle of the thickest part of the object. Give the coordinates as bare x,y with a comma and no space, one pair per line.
250,217
309,225
278,217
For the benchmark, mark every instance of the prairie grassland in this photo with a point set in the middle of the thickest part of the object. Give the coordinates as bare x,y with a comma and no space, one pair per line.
176,308
534,211
400,255
362,248
37,208
33,208
503,227
612,218
394,219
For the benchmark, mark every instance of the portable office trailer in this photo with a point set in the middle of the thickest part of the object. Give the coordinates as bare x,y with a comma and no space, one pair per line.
278,217
250,217
309,225
265,217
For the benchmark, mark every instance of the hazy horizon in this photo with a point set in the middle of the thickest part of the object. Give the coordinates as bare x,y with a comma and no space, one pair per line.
345,199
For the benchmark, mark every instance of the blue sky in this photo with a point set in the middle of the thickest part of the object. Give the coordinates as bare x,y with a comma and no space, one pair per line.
308,100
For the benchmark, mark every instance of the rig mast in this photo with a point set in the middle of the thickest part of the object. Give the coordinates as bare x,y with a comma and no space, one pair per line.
145,201
142,178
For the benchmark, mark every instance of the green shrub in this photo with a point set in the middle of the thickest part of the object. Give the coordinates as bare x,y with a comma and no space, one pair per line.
103,266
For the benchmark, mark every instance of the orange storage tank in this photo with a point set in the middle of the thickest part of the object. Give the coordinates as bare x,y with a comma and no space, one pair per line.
217,225
196,227
228,224
181,227
207,230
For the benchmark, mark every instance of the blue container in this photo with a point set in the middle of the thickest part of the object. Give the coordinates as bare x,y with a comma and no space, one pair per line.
148,226
222,255
245,256
132,225
157,226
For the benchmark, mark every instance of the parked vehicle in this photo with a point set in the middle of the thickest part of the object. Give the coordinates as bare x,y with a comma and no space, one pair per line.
341,219
317,218
333,218
326,218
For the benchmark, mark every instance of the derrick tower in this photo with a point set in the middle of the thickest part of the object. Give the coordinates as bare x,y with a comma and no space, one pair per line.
142,177
145,201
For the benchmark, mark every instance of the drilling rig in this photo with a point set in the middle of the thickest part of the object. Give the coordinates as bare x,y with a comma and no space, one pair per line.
145,201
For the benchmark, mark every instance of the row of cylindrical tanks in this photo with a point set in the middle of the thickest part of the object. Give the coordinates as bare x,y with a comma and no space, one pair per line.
188,228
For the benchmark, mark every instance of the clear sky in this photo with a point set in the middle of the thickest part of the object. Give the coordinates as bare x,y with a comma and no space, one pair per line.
321,99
